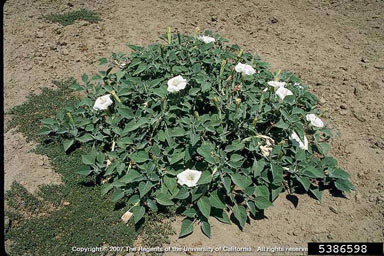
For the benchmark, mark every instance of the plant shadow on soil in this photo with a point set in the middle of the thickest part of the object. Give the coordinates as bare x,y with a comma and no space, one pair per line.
73,214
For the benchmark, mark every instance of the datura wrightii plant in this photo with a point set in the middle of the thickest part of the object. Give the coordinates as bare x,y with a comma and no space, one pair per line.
197,124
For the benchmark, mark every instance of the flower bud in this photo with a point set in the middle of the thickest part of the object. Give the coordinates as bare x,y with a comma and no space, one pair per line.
196,115
169,35
223,63
70,118
237,101
115,96
215,100
254,122
240,53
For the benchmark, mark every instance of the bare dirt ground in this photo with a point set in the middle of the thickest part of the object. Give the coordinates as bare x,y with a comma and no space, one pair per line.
336,47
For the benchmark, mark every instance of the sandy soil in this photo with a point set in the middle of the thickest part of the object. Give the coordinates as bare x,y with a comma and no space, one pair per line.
335,46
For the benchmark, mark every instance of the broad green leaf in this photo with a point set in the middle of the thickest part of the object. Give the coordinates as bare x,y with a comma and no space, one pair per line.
88,159
313,172
106,188
163,199
220,215
316,192
262,203
240,214
67,144
139,157
216,201
206,177
183,193
304,181
117,195
138,213
241,180
186,227
234,147
84,170
344,185
205,151
258,167
206,228
85,138
144,188
236,158
190,212
204,206
281,124
176,157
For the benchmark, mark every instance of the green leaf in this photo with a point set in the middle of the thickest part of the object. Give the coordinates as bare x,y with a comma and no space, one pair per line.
236,158
258,167
133,125
67,144
252,207
44,131
186,227
163,199
316,192
205,151
281,124
338,173
216,201
84,170
182,194
304,181
220,215
88,159
190,212
204,206
131,176
177,132
240,214
140,69
343,185
205,178
206,228
144,188
324,148
49,121
313,172
240,180
117,195
106,188
85,138
139,157
227,184
262,202
234,147
176,157
138,213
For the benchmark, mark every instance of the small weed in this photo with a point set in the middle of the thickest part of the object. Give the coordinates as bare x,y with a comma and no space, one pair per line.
69,18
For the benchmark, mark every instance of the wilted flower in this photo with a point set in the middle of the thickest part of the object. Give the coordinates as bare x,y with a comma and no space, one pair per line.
176,84
245,69
103,102
125,218
315,121
298,142
206,39
283,92
276,84
188,177
266,149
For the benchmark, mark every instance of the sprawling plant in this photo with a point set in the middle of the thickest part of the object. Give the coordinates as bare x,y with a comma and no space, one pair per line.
199,125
